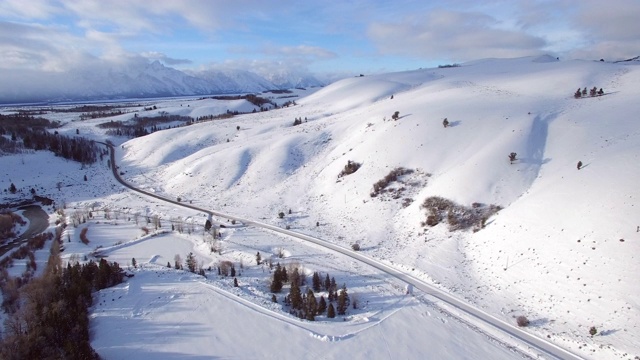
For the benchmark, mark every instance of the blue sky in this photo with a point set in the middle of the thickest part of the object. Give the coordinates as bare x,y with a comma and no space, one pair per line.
327,38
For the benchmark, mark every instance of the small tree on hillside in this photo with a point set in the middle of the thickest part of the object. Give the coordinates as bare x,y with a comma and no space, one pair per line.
134,263
191,262
12,188
593,331
522,321
177,261
577,94
396,115
512,157
445,122
258,258
579,165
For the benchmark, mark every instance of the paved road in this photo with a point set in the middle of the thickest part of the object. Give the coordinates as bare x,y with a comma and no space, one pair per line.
38,222
539,343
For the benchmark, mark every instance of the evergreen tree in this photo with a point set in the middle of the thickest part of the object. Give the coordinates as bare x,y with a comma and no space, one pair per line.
134,263
295,295
331,312
258,258
284,275
191,262
322,305
12,188
235,282
233,270
273,298
168,264
333,284
311,306
294,278
276,282
343,300
327,282
316,282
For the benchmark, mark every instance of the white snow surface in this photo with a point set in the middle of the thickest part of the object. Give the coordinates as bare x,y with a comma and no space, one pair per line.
564,250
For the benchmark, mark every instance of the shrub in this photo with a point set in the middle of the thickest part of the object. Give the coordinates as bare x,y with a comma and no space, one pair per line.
83,236
457,216
350,168
593,331
355,247
380,186
445,122
522,321
396,115
281,214
512,157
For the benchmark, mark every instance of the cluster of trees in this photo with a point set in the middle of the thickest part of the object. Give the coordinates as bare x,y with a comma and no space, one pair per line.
306,305
34,135
52,320
252,98
298,121
144,125
583,93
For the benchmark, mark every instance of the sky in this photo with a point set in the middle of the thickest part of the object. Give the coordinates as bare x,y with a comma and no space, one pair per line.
326,38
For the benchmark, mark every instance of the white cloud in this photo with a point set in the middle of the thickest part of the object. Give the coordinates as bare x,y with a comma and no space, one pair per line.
610,31
452,35
154,55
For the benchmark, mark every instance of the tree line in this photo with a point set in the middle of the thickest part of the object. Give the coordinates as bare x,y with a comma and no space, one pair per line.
33,133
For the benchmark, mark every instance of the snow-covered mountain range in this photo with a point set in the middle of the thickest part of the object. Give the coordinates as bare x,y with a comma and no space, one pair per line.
141,80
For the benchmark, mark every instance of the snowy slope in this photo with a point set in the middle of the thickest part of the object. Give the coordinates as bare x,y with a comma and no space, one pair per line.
563,251
560,227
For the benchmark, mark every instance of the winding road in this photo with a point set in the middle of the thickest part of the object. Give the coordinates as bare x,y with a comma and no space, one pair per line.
514,331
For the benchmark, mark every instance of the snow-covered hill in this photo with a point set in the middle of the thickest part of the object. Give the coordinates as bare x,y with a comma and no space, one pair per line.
564,249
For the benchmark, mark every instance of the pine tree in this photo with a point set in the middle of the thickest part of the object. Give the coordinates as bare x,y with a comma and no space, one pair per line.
191,262
258,258
317,283
311,306
327,282
276,282
295,295
322,305
235,282
233,270
343,300
134,263
12,188
284,275
331,312
168,264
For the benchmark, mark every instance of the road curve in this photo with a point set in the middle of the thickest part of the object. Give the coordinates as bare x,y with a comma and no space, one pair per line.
539,343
